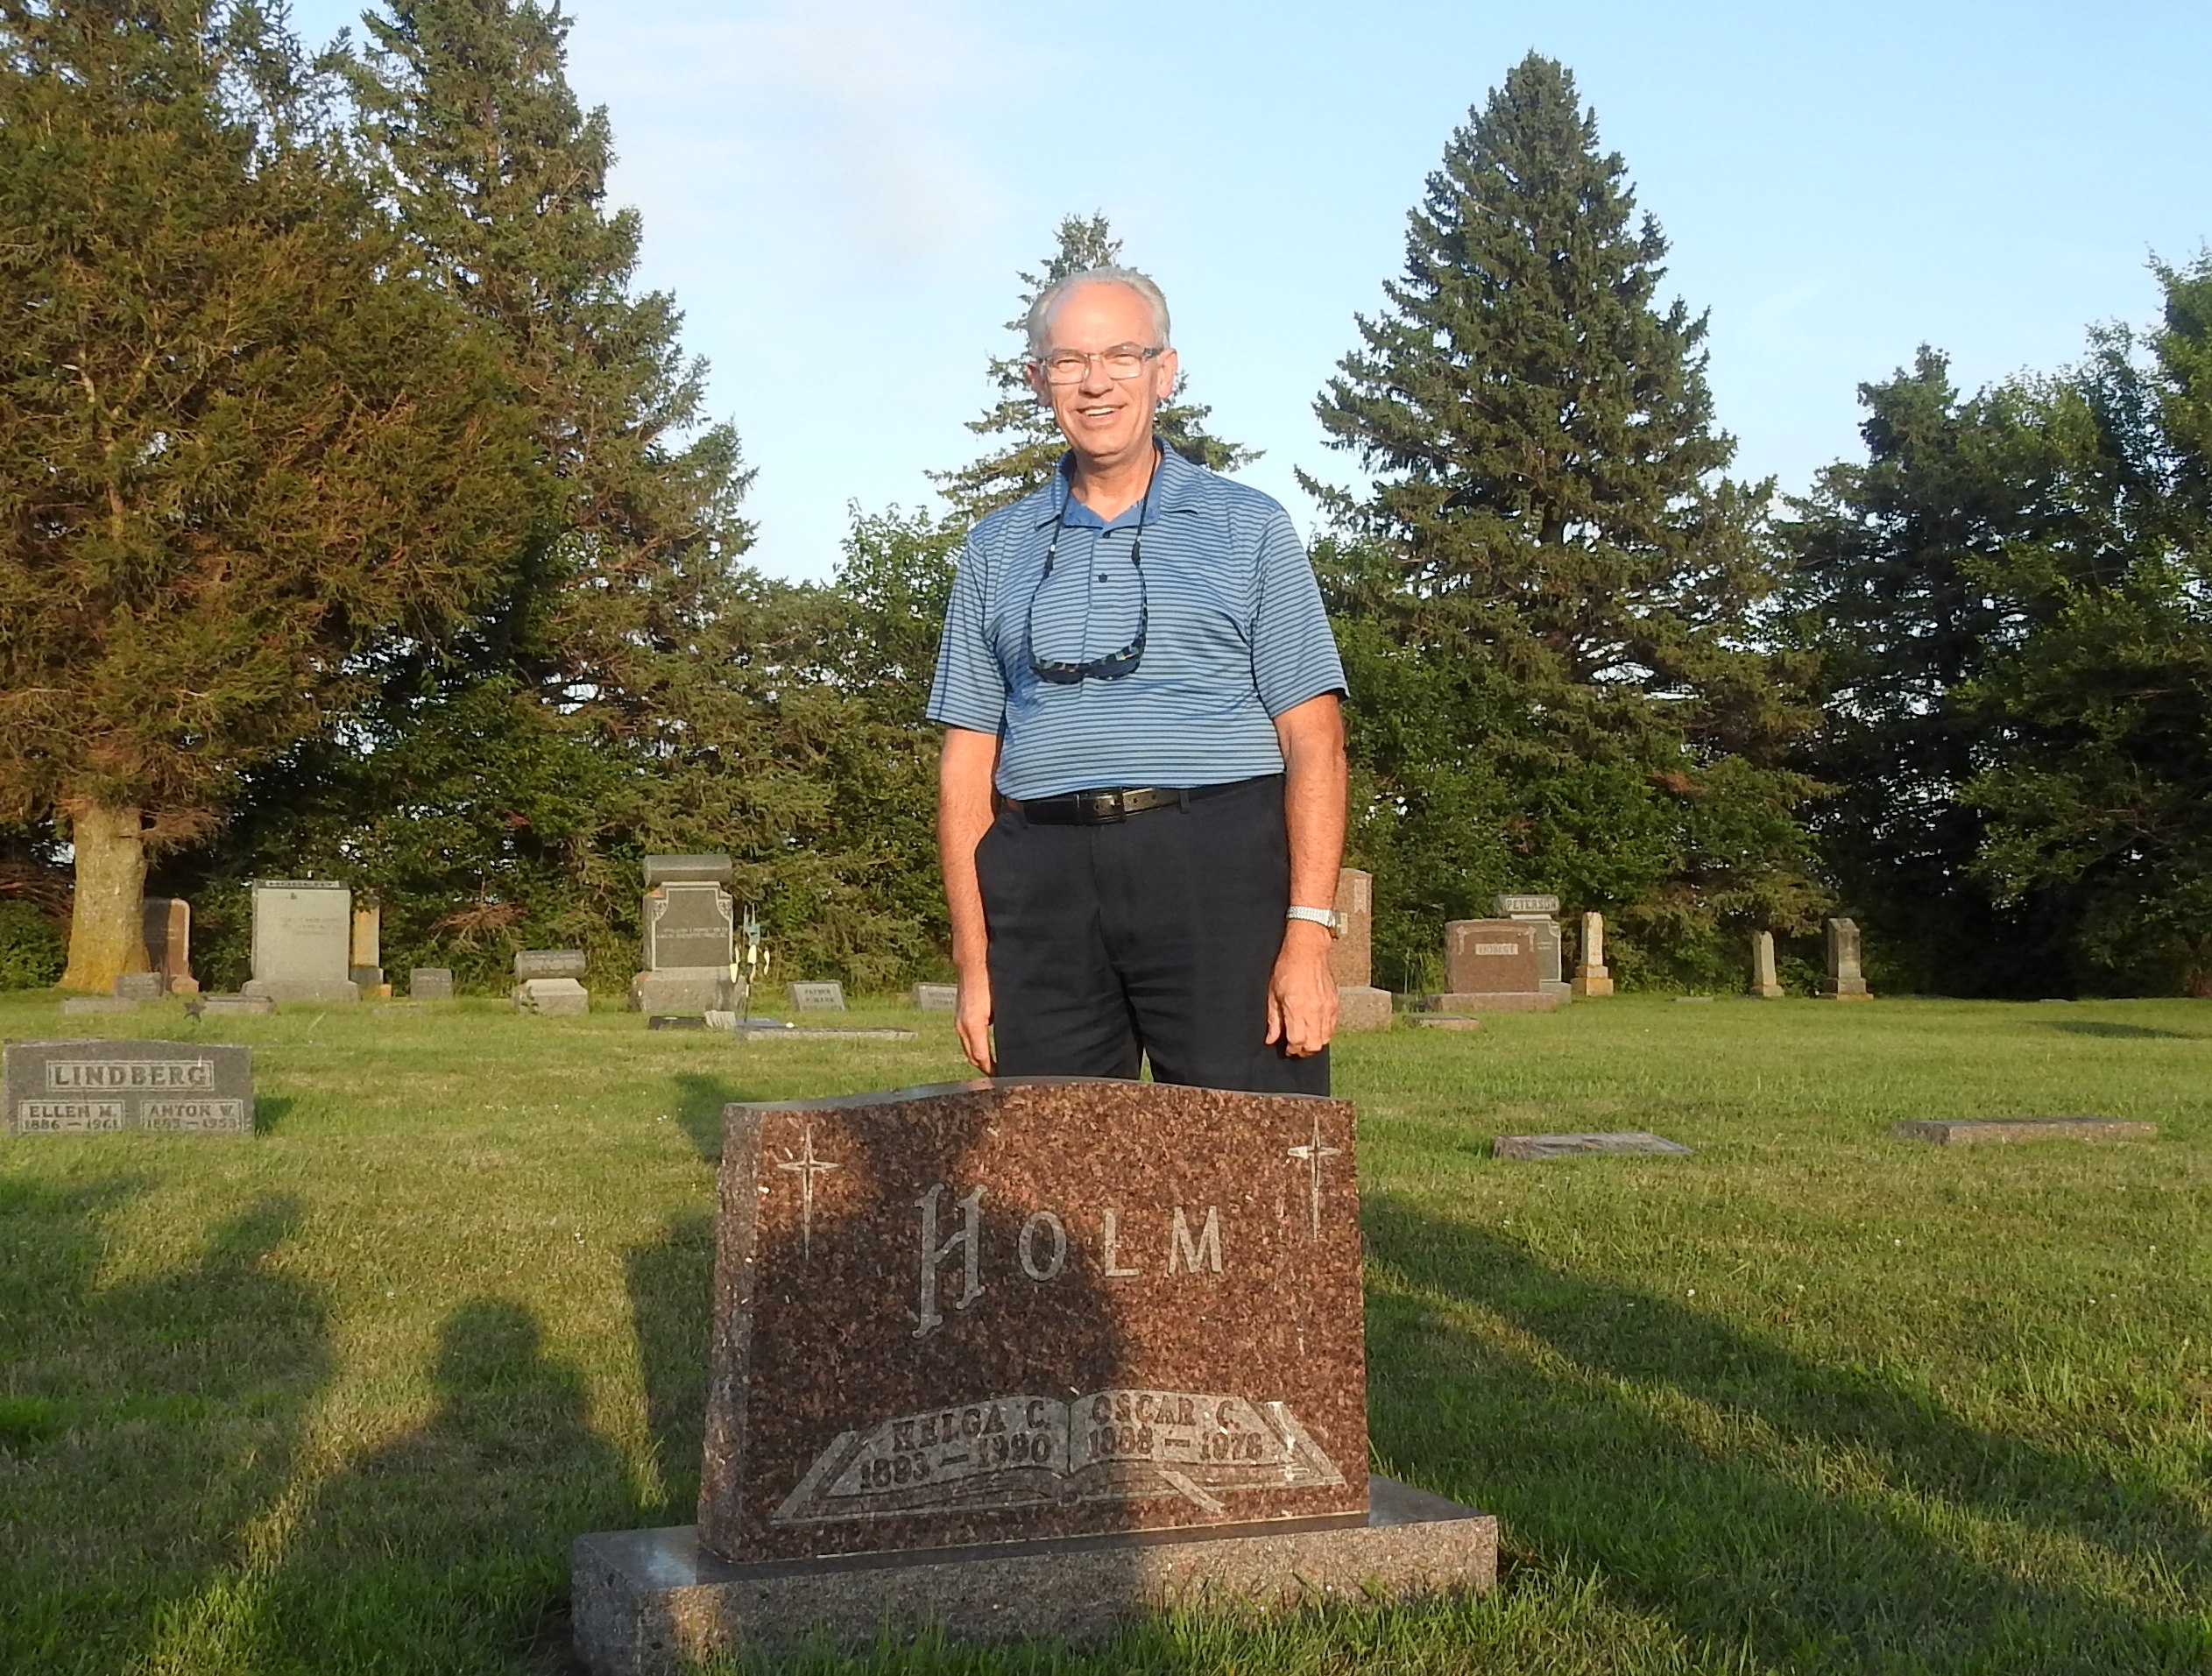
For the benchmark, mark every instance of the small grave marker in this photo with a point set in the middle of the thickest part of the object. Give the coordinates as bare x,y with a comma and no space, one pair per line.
98,1086
141,986
1630,1143
548,963
817,998
2004,1130
937,998
85,1005
231,1006
430,983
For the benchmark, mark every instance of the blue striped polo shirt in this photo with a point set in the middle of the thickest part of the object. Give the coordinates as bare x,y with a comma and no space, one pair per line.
1236,635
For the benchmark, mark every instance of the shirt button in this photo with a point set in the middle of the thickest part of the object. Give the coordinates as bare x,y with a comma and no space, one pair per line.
1102,576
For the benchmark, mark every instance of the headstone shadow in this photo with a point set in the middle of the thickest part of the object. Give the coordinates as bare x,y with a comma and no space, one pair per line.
1586,1472
158,1417
671,1289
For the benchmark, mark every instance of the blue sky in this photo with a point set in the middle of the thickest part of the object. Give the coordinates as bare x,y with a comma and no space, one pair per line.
840,192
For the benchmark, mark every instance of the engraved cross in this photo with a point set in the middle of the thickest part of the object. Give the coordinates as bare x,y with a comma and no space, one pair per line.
1311,1155
806,1166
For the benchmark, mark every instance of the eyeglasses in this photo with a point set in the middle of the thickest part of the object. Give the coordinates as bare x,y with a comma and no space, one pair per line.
1122,361
1117,664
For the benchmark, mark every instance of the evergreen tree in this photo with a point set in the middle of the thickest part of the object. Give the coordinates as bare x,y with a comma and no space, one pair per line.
1890,588
1032,443
244,454
1551,568
2095,699
633,688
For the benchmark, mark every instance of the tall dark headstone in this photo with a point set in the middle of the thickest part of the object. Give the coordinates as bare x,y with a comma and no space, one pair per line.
689,924
168,933
97,1086
1360,1006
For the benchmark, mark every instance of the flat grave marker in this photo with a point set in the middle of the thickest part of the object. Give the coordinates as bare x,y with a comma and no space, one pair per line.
1997,1131
94,1085
89,1006
1631,1142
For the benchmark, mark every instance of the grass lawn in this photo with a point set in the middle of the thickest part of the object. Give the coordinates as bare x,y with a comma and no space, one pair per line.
337,1398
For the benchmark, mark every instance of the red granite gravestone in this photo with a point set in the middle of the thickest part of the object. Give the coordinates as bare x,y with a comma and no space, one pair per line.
1000,1311
1021,1358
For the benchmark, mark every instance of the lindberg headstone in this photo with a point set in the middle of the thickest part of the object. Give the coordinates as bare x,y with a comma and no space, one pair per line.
950,1335
1591,977
167,920
1766,981
302,941
690,937
1360,1006
1843,981
97,1086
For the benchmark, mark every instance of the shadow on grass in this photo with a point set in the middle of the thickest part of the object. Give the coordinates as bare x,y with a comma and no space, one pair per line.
157,1418
671,1286
1588,1468
269,1111
2125,1032
446,1549
699,1103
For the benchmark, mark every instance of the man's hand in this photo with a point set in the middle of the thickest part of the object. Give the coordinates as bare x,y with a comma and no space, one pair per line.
1301,996
975,1021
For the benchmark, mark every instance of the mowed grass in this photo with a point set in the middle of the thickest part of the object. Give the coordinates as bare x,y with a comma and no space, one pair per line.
337,1398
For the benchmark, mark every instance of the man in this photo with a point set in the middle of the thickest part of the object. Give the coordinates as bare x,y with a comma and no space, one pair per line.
1137,664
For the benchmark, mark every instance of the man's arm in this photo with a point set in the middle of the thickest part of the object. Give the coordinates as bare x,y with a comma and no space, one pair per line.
1302,997
965,771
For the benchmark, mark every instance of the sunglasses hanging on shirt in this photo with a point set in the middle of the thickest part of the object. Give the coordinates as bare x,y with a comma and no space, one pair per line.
1117,664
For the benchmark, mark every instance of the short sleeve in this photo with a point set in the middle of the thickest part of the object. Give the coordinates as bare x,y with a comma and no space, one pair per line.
969,688
1294,653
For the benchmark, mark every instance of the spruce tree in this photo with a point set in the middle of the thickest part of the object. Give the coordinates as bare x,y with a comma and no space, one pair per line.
1032,443
1552,563
244,454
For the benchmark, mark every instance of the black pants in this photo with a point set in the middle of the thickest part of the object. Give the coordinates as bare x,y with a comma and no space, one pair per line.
1153,937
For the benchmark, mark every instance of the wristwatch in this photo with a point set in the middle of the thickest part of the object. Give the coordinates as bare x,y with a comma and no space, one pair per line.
1327,917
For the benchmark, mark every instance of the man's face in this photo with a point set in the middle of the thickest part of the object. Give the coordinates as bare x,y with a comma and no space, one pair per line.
1103,418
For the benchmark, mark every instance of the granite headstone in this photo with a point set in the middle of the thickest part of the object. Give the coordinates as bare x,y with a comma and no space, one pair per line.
141,986
690,932
1360,1006
548,963
167,920
430,983
1591,977
937,998
1843,981
97,1086
817,997
938,1321
1499,965
302,940
1766,981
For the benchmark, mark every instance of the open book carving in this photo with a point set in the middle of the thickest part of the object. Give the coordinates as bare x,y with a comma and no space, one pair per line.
1014,1452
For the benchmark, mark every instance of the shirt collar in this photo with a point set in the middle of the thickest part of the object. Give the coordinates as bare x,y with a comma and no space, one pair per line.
1177,486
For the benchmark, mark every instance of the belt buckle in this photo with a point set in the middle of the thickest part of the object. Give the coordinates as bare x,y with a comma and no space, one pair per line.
1101,808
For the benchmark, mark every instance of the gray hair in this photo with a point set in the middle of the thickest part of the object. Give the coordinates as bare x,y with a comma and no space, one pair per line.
1048,298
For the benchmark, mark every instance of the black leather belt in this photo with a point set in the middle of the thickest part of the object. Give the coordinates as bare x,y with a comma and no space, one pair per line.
1110,803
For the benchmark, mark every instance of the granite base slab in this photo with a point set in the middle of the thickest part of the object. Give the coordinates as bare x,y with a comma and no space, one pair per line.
1445,1021
1629,1143
653,1603
1362,1008
85,1005
1475,1002
2002,1130
317,990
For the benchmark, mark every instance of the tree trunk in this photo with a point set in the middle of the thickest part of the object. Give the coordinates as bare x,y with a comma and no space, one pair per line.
107,929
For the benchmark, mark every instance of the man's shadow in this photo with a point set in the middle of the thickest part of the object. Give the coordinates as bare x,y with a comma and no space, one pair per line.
149,1423
1723,1522
451,1541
